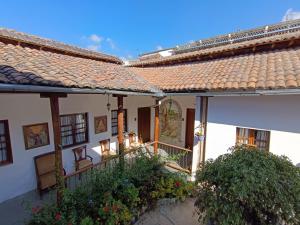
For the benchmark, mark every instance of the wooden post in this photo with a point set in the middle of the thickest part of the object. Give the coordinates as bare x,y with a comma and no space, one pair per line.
156,127
120,124
203,119
54,105
199,133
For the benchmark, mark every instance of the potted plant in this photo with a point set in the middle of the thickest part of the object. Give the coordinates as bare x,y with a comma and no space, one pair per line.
200,134
131,136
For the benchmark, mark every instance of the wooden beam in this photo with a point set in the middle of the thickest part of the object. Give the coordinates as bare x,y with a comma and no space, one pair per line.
115,95
49,95
156,127
120,124
54,105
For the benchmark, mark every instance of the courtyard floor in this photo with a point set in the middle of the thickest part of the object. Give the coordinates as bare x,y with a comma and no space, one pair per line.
182,213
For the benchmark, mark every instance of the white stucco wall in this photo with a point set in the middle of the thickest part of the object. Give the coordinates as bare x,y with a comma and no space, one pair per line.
24,109
278,114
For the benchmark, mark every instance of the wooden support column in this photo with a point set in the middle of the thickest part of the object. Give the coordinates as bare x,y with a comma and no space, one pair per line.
156,127
203,121
200,133
120,123
54,105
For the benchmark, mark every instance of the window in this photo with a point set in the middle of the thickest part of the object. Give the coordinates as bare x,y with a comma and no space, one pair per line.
256,138
5,147
74,129
114,122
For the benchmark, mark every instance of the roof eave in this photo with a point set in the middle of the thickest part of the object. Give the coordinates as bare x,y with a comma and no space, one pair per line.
259,92
19,88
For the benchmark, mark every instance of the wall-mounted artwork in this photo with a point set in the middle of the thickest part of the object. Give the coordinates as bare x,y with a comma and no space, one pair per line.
36,135
170,117
100,124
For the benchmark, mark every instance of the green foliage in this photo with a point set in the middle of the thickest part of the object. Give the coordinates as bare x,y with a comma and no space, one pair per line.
249,186
172,186
114,196
87,221
48,214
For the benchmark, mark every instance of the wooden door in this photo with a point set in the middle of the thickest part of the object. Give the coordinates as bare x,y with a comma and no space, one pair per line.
189,132
144,115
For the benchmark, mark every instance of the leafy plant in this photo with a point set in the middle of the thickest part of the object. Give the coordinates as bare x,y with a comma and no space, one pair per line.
113,195
87,221
172,187
248,187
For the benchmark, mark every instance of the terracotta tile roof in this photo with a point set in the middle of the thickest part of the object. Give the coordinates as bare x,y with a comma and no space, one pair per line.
218,51
24,65
276,69
55,45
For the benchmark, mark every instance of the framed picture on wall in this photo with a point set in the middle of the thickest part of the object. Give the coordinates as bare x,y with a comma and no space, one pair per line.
100,124
36,135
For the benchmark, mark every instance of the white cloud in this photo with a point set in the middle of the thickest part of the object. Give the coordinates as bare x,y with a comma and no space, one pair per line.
159,47
290,14
126,58
111,43
95,38
93,47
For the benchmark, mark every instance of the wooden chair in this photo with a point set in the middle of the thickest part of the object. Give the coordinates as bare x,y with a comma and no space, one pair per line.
105,149
82,160
45,171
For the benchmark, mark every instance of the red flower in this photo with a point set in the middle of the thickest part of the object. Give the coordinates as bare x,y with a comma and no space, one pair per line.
57,216
35,209
69,223
177,183
106,209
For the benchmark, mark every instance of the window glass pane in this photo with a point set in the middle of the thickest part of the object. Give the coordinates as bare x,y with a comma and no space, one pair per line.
4,143
73,129
114,121
2,129
258,138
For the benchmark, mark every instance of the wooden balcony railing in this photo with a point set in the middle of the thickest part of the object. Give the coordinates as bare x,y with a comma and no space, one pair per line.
175,157
81,177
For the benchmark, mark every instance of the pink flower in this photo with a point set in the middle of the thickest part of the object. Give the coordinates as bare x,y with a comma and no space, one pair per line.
177,183
57,216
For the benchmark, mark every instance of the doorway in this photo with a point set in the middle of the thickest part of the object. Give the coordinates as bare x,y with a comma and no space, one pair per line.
144,122
189,129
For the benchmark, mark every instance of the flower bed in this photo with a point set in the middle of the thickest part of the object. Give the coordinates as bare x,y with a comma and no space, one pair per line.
115,196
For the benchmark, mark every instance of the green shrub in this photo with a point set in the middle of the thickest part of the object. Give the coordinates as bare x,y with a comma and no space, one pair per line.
249,186
172,186
113,196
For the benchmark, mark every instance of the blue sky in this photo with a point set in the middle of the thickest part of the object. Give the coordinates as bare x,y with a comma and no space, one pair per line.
128,28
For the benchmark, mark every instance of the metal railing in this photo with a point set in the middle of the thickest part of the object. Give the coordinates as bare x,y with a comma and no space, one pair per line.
246,35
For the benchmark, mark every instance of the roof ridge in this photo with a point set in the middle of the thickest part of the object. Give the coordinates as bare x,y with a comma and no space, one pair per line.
21,37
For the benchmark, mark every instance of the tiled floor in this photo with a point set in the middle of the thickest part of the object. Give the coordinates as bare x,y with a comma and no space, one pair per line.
173,214
17,210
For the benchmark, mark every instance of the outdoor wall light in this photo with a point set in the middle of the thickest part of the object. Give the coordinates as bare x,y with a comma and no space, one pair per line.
108,104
